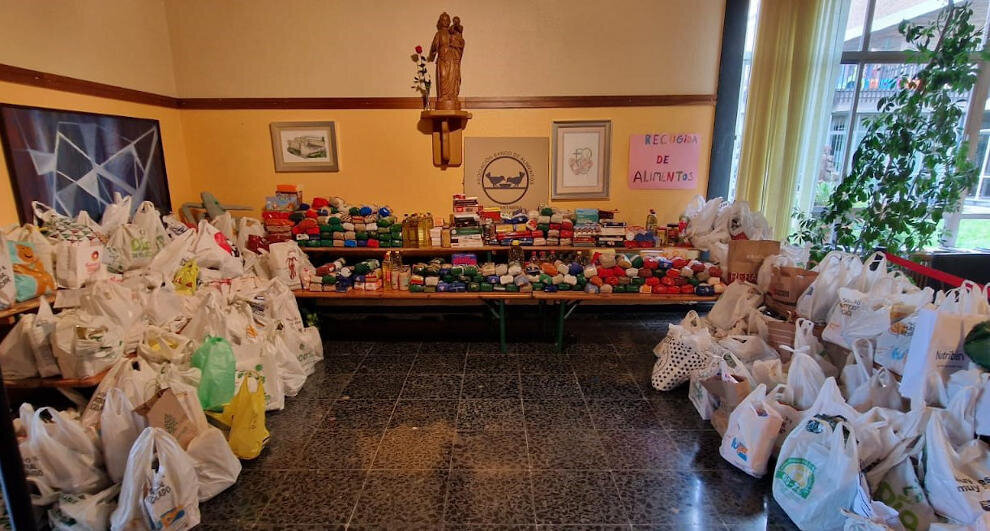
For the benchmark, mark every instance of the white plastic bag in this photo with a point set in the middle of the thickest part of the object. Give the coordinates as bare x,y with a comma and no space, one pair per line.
253,359
955,489
16,356
39,335
736,303
290,370
119,305
748,348
116,213
174,226
162,492
769,373
84,512
176,252
894,482
43,248
64,453
213,251
149,219
817,474
119,428
84,345
247,227
804,380
225,224
753,428
685,349
216,465
704,403
129,247
134,376
78,263
836,270
286,262
159,345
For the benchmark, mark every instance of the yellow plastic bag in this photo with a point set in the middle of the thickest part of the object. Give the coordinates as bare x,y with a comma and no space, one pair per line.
185,278
245,415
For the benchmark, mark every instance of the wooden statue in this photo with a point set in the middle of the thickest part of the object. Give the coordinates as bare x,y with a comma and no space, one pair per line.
447,50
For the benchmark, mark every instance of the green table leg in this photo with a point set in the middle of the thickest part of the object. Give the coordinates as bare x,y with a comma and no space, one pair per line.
541,315
501,325
562,309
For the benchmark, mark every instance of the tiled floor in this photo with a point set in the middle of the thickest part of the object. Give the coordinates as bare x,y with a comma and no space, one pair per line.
417,433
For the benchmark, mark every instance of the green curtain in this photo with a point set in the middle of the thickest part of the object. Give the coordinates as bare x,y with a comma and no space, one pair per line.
788,111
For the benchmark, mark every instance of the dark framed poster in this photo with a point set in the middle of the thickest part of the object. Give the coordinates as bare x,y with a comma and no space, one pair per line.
75,161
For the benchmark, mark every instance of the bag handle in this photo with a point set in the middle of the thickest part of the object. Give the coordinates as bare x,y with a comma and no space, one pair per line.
42,212
864,360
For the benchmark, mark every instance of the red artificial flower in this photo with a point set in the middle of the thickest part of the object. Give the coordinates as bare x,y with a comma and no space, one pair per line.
419,49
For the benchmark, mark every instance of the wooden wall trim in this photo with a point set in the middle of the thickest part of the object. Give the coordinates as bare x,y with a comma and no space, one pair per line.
35,78
45,80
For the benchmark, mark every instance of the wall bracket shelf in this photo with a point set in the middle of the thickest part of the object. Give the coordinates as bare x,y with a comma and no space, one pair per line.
448,128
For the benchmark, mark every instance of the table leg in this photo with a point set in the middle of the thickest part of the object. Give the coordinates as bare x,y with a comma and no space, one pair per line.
541,315
12,478
501,325
562,314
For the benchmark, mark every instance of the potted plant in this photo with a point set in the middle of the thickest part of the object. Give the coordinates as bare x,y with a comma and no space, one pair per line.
910,169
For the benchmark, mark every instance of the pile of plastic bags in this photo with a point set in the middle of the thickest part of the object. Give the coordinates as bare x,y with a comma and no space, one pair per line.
711,224
182,327
873,413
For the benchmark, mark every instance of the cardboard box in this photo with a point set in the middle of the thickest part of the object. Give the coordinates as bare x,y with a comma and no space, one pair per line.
746,257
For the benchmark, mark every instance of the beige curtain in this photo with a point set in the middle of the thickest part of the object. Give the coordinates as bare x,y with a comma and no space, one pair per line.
795,61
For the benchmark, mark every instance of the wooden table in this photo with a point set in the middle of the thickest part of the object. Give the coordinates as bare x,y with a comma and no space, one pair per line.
495,301
9,316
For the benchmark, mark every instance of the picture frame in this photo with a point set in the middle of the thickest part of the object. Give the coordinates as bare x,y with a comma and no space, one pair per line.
75,161
304,146
581,159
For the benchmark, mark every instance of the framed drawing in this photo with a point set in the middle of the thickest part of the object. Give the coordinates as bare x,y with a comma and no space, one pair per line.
75,161
304,146
581,159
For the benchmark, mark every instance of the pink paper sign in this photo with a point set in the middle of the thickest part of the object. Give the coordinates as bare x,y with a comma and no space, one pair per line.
664,160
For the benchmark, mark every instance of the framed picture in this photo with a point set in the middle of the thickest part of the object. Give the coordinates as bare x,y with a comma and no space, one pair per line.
581,159
75,161
304,146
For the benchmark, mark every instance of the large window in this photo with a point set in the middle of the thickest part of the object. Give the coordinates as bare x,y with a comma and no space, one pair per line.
873,58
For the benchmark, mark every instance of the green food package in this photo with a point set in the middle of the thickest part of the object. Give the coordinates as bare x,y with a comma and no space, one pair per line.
511,288
215,359
486,287
977,344
473,287
538,286
416,288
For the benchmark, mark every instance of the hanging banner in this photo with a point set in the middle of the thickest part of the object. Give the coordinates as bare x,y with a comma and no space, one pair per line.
507,172
664,160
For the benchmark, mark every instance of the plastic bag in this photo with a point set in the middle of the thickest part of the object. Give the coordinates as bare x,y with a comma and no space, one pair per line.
216,361
226,225
748,348
78,263
136,377
836,270
159,345
39,336
116,213
149,219
804,380
245,415
286,262
213,251
163,492
119,428
174,226
129,247
8,290
216,465
61,451
254,359
247,227
16,356
84,512
753,428
290,370
817,474
85,345
59,227
31,279
954,486
685,349
43,247
119,305
737,301
894,482
177,252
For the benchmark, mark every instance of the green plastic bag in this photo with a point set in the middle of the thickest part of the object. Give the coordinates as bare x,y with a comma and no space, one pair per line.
216,360
977,344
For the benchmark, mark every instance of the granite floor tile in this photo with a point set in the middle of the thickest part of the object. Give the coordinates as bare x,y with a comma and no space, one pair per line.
401,348
406,448
566,450
321,386
444,347
343,364
675,411
570,414
700,448
485,348
576,497
550,386
374,385
610,386
386,363
530,348
243,501
490,386
299,418
597,363
363,414
397,499
314,497
341,449
488,364
490,415
280,453
544,364
666,499
432,386
623,415
642,450
485,496
490,450
424,414
438,363
346,348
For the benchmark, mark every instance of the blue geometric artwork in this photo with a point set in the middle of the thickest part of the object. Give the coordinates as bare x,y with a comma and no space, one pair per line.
75,161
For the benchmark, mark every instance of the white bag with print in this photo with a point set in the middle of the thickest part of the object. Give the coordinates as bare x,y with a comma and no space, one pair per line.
84,512
736,303
160,486
817,473
39,335
286,262
85,345
216,465
894,482
129,247
247,227
213,251
753,428
115,214
176,252
254,359
43,248
16,356
78,263
119,428
836,270
150,220
955,488
687,348
134,376
64,453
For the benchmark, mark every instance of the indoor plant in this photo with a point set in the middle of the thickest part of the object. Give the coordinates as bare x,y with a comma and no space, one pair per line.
910,169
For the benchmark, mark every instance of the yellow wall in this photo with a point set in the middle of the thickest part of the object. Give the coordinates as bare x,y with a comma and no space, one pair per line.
386,160
118,42
228,48
173,142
